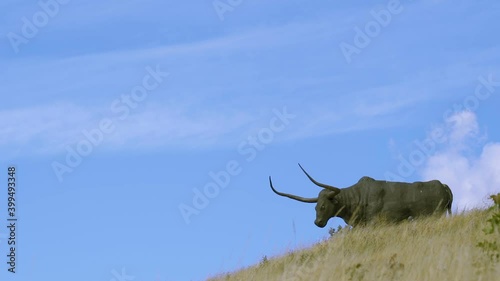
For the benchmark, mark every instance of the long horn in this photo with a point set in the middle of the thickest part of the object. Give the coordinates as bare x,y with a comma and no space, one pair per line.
329,187
298,198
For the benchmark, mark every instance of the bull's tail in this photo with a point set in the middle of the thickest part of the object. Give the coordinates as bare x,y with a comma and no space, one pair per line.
448,205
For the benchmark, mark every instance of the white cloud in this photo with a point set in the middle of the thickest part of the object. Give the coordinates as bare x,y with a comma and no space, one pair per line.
471,176
462,127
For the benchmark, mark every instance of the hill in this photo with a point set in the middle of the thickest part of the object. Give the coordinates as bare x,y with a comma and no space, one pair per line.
445,248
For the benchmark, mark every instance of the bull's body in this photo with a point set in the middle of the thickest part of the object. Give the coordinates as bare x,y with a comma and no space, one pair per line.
393,201
370,199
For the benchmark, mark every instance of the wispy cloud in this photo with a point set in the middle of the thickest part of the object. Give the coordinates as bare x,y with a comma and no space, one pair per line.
221,89
49,128
41,127
471,175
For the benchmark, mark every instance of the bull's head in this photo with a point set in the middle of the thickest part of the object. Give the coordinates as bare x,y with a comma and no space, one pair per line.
327,206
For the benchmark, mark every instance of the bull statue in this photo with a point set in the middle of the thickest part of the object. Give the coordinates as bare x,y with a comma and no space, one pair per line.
369,199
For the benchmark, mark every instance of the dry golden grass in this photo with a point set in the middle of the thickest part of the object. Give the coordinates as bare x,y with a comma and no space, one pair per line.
429,249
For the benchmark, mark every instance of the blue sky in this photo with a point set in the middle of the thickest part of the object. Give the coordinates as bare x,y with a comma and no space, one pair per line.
117,115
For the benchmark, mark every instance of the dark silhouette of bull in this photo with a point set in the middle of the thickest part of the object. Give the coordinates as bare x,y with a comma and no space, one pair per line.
369,199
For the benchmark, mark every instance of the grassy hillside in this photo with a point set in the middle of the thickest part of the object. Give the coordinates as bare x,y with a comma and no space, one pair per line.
443,248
